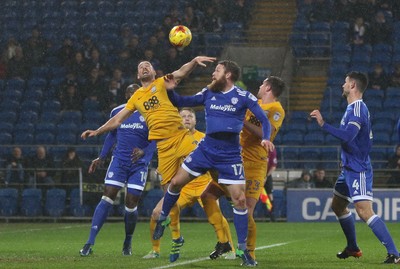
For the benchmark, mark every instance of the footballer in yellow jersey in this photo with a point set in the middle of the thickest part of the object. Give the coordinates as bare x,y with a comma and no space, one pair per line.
190,193
165,125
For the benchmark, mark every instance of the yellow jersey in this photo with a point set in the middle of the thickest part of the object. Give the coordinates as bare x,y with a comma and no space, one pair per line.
162,117
251,145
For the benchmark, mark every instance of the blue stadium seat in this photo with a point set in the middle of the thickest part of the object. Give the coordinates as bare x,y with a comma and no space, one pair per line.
301,26
226,207
28,116
55,202
33,95
65,127
94,116
309,154
198,211
299,43
378,154
150,200
30,105
289,153
45,126
213,43
50,116
391,105
319,44
8,202
31,204
6,127
341,49
66,138
75,207
314,138
292,138
393,93
86,153
320,26
381,138
90,105
71,117
329,153
12,94
9,105
43,138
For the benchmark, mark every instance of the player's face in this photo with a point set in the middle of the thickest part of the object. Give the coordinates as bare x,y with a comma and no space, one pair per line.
218,79
146,71
347,86
188,119
263,88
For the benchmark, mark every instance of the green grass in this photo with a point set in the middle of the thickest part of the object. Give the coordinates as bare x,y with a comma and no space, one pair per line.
311,245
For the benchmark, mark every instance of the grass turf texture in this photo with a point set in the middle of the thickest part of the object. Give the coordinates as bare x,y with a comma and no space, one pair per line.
306,245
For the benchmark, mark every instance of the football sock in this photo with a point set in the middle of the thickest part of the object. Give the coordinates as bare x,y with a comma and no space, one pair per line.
170,199
251,236
130,219
99,217
175,226
240,220
155,243
380,230
227,231
349,230
215,218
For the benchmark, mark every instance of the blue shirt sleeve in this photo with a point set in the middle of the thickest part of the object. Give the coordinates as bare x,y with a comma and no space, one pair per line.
346,135
109,142
189,101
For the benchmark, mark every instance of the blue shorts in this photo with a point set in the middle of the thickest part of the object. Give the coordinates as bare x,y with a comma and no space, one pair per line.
122,173
215,154
354,186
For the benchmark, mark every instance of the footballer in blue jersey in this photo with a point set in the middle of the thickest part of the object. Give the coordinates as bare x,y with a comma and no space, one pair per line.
225,108
354,184
132,153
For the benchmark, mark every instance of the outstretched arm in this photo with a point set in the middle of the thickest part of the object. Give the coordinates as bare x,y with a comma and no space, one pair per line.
111,124
187,68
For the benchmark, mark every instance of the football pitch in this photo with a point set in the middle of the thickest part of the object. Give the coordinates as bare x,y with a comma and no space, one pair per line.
280,245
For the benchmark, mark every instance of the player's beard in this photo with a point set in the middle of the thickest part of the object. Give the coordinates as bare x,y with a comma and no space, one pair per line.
217,85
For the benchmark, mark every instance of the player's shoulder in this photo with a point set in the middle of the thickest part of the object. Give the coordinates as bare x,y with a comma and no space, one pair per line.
117,109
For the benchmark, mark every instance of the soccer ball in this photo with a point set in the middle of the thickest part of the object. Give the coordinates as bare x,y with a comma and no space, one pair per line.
180,36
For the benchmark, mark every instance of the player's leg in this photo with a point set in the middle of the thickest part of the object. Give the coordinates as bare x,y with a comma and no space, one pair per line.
363,204
99,217
130,219
216,219
252,228
155,252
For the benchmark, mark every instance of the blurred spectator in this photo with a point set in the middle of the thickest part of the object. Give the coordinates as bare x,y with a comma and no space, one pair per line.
3,67
96,61
15,169
380,29
238,12
9,51
18,66
135,51
87,46
320,179
35,49
66,53
118,76
112,97
124,61
93,86
191,19
360,32
394,165
70,97
125,35
175,15
70,163
150,57
364,8
157,48
43,169
395,78
378,80
167,24
343,10
78,66
172,62
212,22
303,182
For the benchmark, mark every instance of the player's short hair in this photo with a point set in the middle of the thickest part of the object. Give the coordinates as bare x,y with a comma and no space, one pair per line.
277,85
360,78
232,67
132,88
191,110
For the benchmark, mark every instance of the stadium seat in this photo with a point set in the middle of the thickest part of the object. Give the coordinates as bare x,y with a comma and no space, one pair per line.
198,211
86,153
378,154
309,154
75,207
71,117
226,207
67,127
314,138
329,153
393,93
23,138
55,202
50,117
150,200
31,204
30,105
292,138
8,116
289,153
8,202
381,138
6,127
94,117
45,126
43,138
66,138
391,105
28,117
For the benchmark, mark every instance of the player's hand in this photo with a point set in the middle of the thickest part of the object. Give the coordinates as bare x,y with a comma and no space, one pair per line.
268,145
137,153
201,59
88,133
95,163
317,115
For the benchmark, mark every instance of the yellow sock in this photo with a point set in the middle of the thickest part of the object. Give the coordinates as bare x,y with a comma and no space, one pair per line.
155,243
227,231
175,226
215,218
251,236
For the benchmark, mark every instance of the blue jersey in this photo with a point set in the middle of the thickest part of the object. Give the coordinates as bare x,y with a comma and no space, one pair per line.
224,111
398,132
132,133
357,145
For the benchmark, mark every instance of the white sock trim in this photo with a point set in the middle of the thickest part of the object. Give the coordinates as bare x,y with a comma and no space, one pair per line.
371,219
240,211
173,193
345,216
107,199
130,209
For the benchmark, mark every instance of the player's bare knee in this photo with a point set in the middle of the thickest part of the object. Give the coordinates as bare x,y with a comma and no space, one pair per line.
155,214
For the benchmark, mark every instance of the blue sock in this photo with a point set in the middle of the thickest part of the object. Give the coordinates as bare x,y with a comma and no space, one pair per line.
349,230
381,232
130,219
170,199
99,217
240,220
